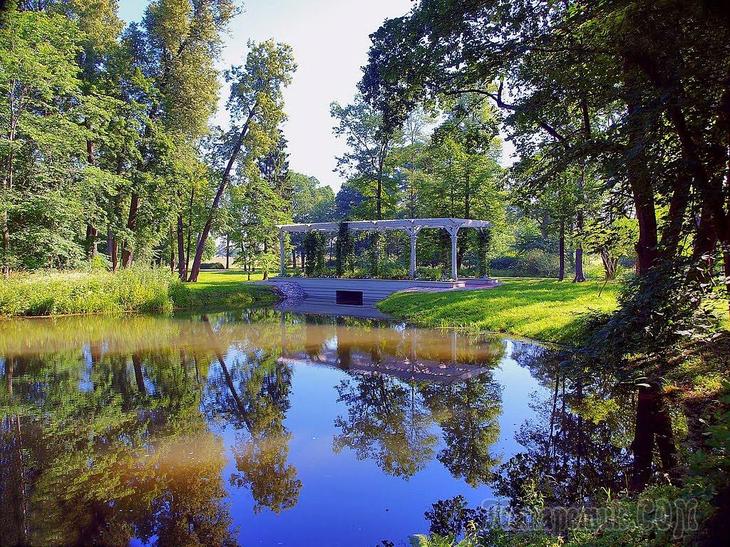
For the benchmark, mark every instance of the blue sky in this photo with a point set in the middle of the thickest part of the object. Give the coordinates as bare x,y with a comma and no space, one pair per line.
330,40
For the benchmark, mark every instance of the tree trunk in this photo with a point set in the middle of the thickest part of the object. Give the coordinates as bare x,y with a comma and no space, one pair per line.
710,187
561,250
182,268
138,375
172,250
6,245
195,270
379,197
7,187
726,263
91,231
579,275
610,264
91,234
580,219
190,231
672,232
114,254
638,175
228,250
127,252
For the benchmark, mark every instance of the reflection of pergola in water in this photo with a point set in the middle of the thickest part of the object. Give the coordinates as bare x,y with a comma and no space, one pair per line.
409,355
411,226
390,365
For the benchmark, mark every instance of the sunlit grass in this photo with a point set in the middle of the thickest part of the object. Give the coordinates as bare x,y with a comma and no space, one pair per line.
209,278
221,289
543,309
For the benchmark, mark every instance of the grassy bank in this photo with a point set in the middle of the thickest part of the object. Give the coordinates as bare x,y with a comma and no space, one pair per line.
543,309
133,290
221,289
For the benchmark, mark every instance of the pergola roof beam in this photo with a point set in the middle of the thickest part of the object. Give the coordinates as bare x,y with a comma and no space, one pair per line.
377,225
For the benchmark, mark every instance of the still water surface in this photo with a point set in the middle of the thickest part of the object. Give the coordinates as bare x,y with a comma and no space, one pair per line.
255,427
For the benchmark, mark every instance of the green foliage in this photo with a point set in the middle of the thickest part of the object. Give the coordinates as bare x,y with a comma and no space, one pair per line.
314,251
310,201
52,293
129,290
369,143
656,312
41,202
344,250
259,188
531,263
611,241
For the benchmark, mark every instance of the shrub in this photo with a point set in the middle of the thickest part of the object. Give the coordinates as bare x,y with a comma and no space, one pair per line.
430,273
532,263
212,266
100,263
504,263
392,269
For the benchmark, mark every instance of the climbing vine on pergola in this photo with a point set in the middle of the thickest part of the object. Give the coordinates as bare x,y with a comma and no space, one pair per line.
411,226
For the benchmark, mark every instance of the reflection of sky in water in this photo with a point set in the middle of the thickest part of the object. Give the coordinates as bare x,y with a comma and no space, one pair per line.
343,500
346,501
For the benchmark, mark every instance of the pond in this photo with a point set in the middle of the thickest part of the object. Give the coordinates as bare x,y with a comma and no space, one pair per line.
257,427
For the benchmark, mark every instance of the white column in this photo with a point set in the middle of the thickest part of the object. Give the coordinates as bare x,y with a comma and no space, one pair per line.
454,233
413,234
282,255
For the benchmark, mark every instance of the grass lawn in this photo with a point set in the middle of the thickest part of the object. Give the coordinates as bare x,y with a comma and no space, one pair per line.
543,309
221,288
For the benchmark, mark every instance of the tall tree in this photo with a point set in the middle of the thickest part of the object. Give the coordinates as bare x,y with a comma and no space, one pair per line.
179,43
606,84
40,139
255,106
369,143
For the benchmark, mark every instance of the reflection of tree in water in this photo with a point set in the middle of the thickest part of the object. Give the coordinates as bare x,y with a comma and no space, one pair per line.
106,455
468,413
574,450
578,447
252,393
262,467
391,423
386,422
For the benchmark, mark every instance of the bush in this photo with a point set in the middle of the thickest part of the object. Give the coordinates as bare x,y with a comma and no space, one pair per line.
391,269
504,263
430,273
532,263
100,263
212,266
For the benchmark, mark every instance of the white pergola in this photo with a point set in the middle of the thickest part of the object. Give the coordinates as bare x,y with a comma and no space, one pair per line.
409,225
